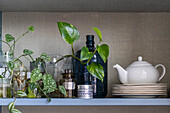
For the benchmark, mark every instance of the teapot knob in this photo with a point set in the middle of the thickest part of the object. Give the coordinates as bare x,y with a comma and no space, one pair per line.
140,58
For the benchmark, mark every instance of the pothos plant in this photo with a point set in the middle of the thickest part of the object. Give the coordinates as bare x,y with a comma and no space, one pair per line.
49,84
70,34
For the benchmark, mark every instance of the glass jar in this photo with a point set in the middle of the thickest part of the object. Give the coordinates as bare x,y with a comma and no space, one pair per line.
20,78
69,82
5,57
39,63
55,69
5,88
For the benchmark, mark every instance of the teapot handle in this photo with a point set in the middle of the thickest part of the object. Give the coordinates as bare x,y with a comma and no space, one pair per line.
163,73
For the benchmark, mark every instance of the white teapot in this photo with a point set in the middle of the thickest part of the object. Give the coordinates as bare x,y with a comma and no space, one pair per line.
139,72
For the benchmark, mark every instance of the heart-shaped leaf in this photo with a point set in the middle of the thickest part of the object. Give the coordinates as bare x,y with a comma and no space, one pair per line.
103,51
9,38
27,52
11,106
21,93
85,54
32,86
36,75
99,34
62,90
49,83
44,56
96,70
68,32
31,28
15,111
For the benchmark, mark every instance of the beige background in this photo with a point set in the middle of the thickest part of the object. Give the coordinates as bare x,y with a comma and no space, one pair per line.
128,35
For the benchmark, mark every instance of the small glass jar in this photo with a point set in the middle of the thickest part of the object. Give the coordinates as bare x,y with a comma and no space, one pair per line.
5,88
20,78
69,82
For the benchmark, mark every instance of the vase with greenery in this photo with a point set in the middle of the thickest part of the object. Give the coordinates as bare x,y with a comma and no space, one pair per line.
49,84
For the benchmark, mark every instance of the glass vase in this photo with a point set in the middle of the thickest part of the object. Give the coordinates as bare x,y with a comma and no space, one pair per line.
5,88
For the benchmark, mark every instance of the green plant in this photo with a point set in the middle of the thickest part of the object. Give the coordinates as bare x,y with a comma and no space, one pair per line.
48,82
70,34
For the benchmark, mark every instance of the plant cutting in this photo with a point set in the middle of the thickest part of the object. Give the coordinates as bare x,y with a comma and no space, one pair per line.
49,84
70,34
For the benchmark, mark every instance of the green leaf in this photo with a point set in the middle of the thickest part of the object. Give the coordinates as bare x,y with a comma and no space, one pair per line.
103,51
49,99
68,32
44,56
31,28
9,38
1,76
11,106
99,34
96,70
27,52
32,86
49,83
31,95
15,111
85,54
62,90
21,93
36,75
10,65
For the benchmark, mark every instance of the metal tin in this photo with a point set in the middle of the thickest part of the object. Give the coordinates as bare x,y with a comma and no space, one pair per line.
85,91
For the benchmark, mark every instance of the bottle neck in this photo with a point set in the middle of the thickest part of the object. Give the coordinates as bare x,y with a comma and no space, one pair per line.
90,42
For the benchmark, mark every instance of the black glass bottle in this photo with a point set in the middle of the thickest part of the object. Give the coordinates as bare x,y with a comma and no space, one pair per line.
84,77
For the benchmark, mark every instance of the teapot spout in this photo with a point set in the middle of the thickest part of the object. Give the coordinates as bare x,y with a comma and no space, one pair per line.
122,74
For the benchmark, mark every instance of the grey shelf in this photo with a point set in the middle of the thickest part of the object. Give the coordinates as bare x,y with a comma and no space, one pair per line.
87,102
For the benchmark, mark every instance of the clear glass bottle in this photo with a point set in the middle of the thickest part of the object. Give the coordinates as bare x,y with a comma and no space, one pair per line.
69,82
20,78
5,88
84,77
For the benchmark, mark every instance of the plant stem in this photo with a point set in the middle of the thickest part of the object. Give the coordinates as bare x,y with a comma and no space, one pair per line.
42,90
31,58
19,38
78,59
27,58
63,58
69,56
72,49
44,67
5,43
14,46
92,57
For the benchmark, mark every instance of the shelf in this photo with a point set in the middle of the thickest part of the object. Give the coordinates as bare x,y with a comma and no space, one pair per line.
85,5
87,102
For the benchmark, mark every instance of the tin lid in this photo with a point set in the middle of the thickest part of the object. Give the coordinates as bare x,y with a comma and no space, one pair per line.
85,86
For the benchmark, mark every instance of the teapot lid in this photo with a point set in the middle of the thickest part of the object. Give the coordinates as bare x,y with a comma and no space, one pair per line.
140,62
